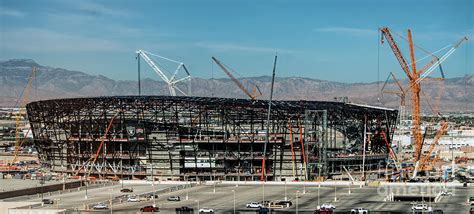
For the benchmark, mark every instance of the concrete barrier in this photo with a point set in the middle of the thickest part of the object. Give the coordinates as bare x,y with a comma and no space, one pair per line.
39,190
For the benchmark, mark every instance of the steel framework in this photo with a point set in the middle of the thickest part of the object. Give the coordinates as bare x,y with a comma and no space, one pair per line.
206,138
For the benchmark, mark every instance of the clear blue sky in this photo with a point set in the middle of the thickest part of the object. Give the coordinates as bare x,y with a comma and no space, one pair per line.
330,40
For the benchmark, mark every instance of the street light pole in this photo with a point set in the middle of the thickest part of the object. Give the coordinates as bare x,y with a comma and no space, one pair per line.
233,191
153,186
111,205
335,192
86,189
296,196
422,201
286,196
197,204
319,187
42,187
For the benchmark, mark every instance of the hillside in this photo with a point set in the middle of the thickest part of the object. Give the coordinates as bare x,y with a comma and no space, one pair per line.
58,83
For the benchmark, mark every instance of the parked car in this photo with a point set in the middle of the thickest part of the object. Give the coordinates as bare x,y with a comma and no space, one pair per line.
149,209
254,205
151,195
126,190
265,203
174,198
470,201
471,211
100,206
445,193
419,207
263,210
436,212
359,211
206,210
184,210
133,199
48,201
323,211
284,203
330,206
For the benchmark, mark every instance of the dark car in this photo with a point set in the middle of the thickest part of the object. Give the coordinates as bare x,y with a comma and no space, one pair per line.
263,210
174,198
324,210
184,210
151,195
48,201
436,212
126,190
149,209
471,211
284,203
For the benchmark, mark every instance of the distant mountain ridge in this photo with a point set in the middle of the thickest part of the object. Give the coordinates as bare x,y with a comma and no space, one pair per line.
60,83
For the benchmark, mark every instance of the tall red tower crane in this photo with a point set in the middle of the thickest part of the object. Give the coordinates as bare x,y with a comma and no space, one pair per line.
415,76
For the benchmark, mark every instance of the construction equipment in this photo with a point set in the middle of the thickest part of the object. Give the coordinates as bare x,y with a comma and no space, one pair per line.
171,81
425,162
415,76
401,93
267,135
21,111
252,95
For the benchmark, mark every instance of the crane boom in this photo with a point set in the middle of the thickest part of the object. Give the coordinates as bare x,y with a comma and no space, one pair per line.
425,159
398,54
236,81
24,100
170,81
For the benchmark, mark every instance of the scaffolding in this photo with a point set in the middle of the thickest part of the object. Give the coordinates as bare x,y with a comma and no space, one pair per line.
202,138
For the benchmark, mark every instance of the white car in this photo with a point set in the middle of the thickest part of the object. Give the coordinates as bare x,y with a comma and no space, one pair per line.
206,210
100,206
419,207
444,193
359,211
133,199
254,205
328,206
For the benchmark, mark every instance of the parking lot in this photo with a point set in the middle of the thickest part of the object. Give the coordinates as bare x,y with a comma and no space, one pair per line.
222,198
304,198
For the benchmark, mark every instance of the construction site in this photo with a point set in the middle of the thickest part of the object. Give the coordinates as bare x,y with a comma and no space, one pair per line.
182,139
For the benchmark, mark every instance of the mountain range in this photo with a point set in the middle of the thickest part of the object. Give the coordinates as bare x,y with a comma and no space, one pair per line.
457,93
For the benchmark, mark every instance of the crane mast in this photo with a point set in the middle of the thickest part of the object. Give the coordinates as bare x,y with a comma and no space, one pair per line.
412,77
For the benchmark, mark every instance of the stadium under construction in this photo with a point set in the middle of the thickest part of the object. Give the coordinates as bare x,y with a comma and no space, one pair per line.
203,138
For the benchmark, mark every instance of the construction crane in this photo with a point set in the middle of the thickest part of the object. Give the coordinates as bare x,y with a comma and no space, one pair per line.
415,76
252,95
401,93
426,162
21,111
171,81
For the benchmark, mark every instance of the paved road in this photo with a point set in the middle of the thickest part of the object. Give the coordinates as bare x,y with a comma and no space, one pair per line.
222,200
77,200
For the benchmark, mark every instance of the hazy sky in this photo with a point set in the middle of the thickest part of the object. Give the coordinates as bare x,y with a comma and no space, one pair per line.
331,40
